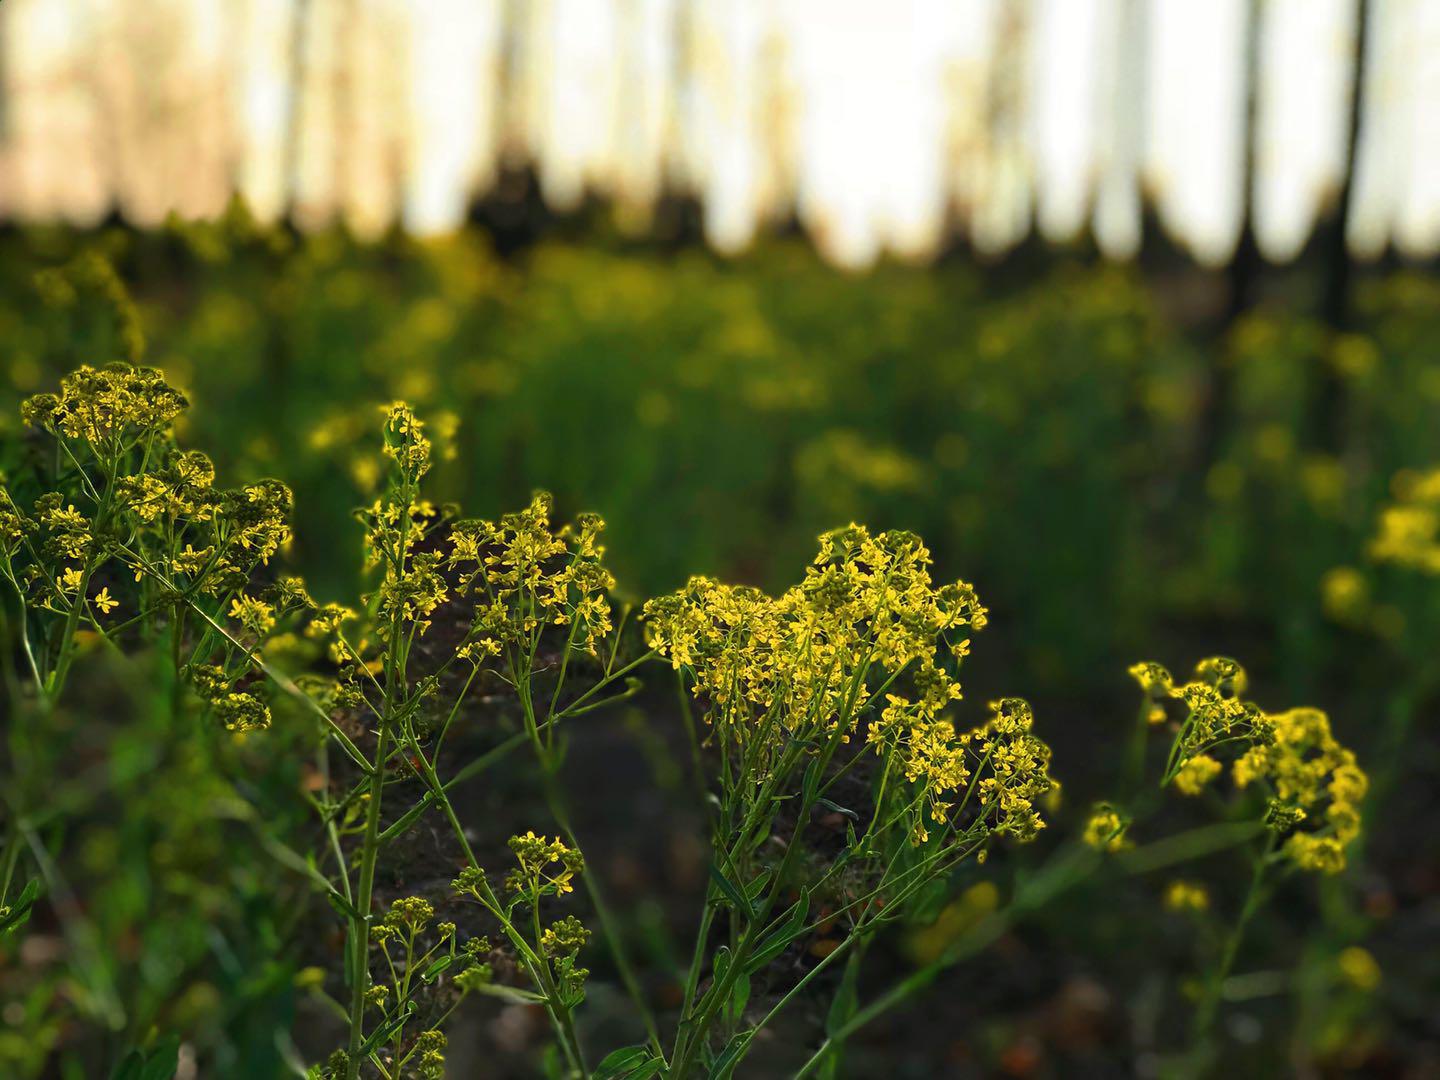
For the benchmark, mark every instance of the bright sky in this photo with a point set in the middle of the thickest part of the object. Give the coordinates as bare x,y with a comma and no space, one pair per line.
887,125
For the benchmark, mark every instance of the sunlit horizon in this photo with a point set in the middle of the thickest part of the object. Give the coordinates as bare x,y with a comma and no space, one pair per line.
882,128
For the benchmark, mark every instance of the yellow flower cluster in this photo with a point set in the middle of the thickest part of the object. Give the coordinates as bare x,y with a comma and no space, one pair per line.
409,913
865,600
1315,783
547,867
12,524
240,529
430,1048
1195,773
404,443
1408,531
110,408
1186,896
255,615
410,597
1315,780
129,503
1106,829
1019,765
523,576
1358,967
776,670
411,585
65,532
183,489
237,710
564,936
1215,715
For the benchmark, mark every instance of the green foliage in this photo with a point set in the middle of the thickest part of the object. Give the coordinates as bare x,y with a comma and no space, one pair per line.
722,416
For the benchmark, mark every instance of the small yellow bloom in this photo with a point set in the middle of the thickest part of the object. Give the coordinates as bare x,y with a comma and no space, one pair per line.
105,602
1195,773
1105,831
1359,968
255,615
70,580
1186,896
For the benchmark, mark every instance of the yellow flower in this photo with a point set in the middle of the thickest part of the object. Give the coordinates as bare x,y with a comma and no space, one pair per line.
105,602
1408,530
1196,773
1186,896
255,615
1105,831
70,580
1314,785
1359,968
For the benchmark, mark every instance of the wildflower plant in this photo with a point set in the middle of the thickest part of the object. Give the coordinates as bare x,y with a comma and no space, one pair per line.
116,529
1392,600
1312,785
1310,790
123,530
841,790
503,588
840,686
1407,532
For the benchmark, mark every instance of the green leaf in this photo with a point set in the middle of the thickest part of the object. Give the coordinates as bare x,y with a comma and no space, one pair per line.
842,1008
727,887
163,1061
19,912
381,1035
434,970
511,993
723,1067
720,965
159,1064
739,997
756,887
811,782
837,808
627,1063
619,1062
774,943
344,907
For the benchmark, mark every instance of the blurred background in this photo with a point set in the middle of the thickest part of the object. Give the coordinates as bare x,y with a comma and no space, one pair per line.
877,127
1130,307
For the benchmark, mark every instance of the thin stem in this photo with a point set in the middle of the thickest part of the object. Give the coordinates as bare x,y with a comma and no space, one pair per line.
1215,984
360,928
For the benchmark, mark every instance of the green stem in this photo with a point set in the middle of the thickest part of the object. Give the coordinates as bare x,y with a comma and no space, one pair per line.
360,928
534,964
56,683
1066,869
1214,986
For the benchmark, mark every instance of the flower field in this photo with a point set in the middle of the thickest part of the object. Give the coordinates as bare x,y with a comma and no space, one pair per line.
594,658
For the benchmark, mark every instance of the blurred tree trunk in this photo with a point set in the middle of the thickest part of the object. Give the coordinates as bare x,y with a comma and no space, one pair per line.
1326,412
1245,264
294,121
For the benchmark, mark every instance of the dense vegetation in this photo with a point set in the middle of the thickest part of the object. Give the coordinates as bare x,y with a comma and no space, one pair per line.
264,826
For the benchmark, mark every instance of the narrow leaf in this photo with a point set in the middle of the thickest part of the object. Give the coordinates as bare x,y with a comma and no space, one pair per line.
724,1066
511,993
19,911
837,808
731,892
627,1063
